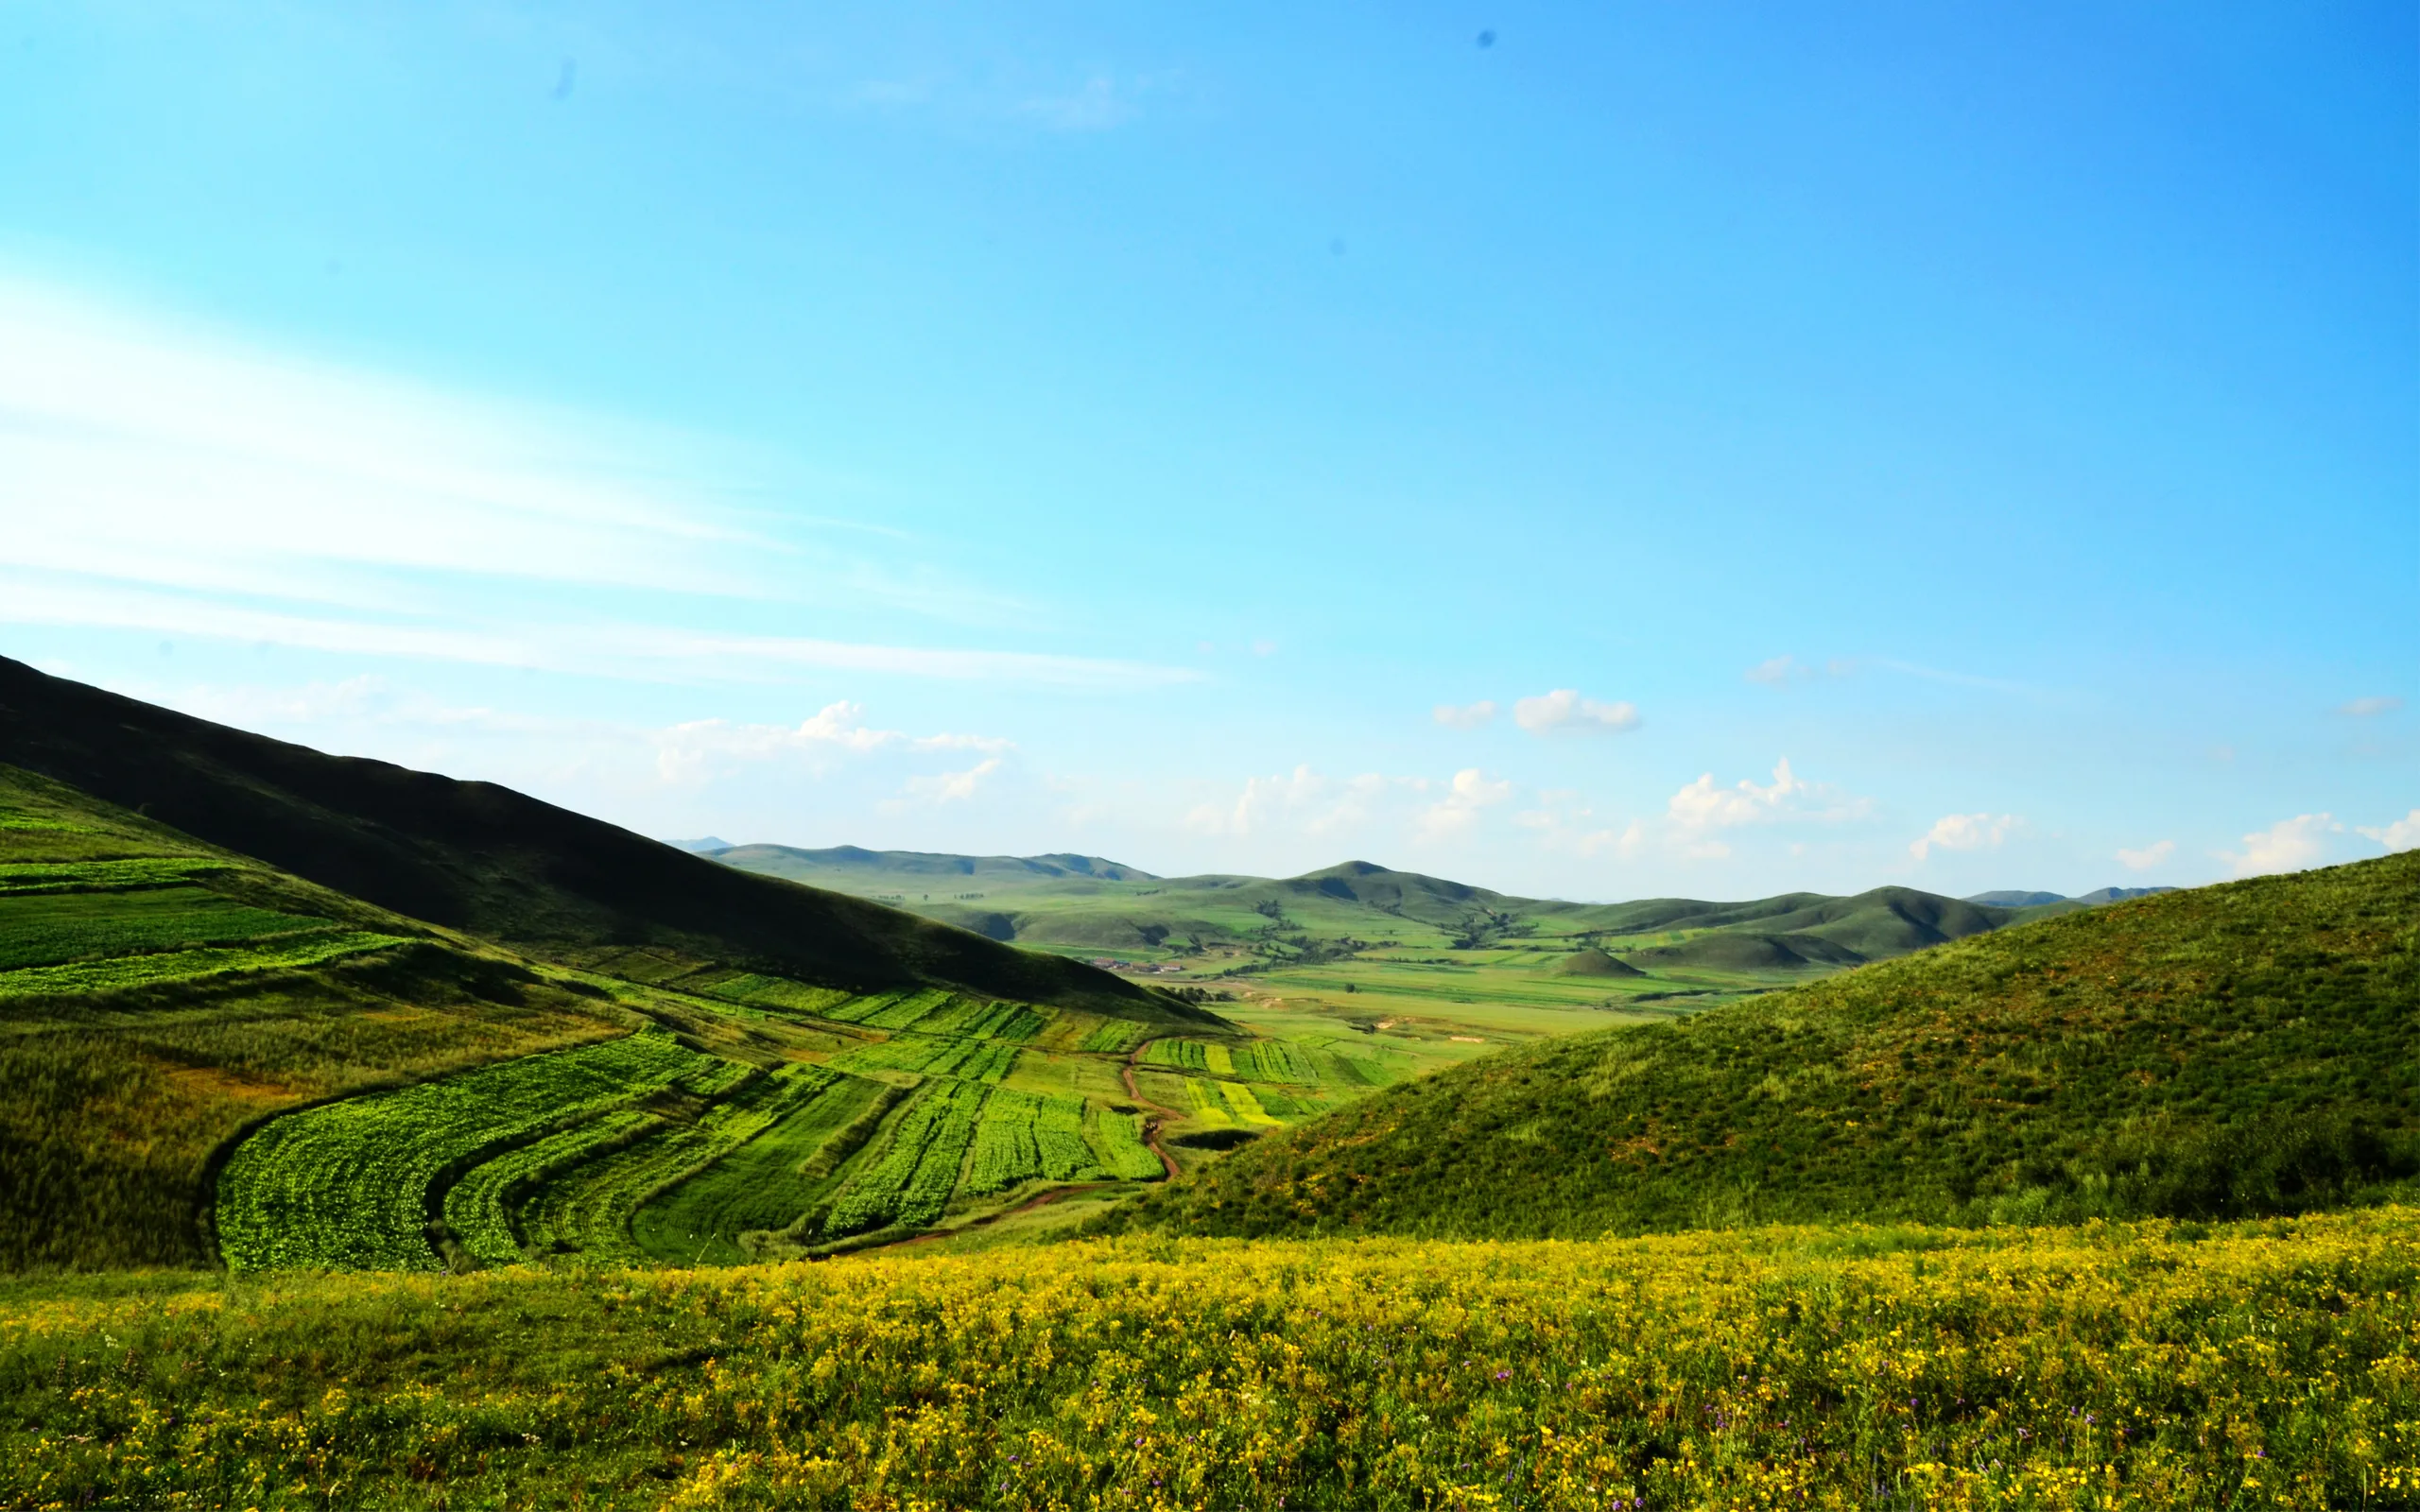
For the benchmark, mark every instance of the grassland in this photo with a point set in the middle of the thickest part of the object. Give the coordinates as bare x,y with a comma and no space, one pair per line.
2217,1053
2274,1365
1439,970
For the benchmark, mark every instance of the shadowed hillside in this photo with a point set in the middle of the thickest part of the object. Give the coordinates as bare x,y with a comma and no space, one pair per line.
497,863
2239,1048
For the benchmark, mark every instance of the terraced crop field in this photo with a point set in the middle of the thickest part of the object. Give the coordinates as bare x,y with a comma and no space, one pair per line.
350,1185
1024,1137
767,1182
912,1174
969,1059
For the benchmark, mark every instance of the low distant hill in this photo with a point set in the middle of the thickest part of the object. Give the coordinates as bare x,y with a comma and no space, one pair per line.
2224,1051
1087,903
499,864
2039,899
925,867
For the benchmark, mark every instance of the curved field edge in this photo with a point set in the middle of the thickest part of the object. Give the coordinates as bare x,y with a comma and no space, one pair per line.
2153,1365
351,1184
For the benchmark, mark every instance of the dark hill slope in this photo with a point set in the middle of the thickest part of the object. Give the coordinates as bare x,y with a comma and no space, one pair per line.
493,862
2246,1048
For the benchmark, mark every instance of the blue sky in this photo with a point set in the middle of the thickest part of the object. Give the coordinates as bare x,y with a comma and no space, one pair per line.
1598,451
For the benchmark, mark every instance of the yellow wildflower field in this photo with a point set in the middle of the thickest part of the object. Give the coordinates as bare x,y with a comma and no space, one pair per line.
2152,1365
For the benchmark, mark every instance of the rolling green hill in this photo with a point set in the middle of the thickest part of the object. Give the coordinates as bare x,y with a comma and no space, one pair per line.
2239,1048
1071,902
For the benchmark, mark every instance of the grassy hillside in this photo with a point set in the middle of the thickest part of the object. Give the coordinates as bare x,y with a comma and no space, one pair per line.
2269,1366
159,996
493,863
2246,1048
208,1055
206,1059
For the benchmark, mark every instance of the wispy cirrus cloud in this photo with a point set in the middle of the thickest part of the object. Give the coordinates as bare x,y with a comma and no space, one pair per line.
685,753
2370,708
1782,671
172,478
1464,717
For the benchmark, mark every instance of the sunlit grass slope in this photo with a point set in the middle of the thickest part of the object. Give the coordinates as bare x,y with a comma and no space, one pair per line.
2273,1365
505,867
2238,1049
158,996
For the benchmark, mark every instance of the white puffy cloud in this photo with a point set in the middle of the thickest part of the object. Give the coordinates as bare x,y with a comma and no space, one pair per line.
1703,806
2369,708
2401,834
1464,717
171,478
1471,791
687,752
1564,710
2288,844
1965,832
1696,812
2148,857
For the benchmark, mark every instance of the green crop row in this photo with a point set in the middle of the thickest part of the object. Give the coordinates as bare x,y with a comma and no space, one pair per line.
1117,1139
976,1019
766,1183
909,1181
857,1011
1276,1061
1177,1055
101,876
907,1011
1025,1135
777,992
347,1185
286,951
46,929
588,1208
1113,1037
479,1208
967,1059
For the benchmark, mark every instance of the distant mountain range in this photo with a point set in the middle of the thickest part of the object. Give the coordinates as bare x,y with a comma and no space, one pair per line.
1071,902
2037,899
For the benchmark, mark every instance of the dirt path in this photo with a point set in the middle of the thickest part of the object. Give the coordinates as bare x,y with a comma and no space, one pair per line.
1150,1127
